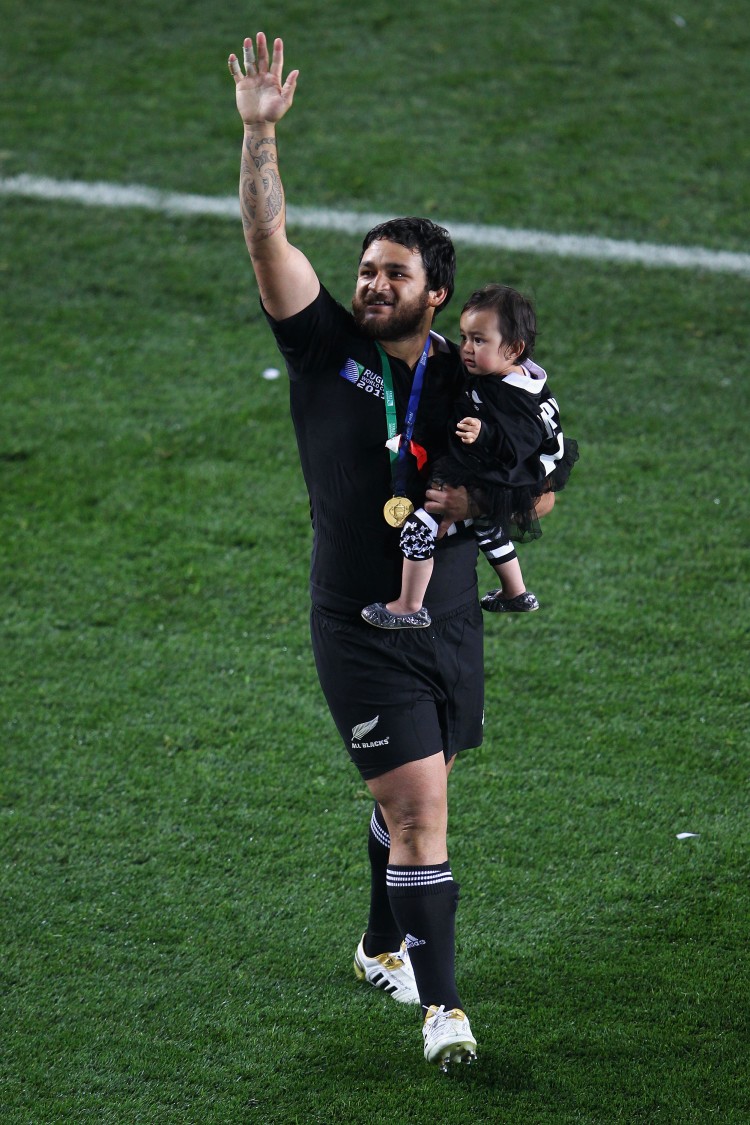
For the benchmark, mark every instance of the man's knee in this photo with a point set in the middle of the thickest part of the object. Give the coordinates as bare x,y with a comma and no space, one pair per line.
416,830
411,828
414,802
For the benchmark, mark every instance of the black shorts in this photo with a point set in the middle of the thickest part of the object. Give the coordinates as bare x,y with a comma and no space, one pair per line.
403,695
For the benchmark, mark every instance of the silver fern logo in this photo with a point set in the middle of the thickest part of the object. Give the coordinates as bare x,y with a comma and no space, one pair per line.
362,729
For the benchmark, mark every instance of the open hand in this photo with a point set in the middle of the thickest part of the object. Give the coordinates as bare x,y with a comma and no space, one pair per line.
260,94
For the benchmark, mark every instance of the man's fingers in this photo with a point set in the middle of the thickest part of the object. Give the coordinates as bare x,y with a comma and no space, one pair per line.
261,48
290,85
256,62
249,56
448,503
277,62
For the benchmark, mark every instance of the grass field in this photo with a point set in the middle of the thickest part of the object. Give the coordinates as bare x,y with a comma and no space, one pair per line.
184,875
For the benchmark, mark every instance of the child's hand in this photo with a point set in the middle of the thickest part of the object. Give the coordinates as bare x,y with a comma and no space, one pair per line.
468,430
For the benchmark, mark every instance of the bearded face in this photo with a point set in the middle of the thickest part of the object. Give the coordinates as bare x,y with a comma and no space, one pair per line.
391,317
392,299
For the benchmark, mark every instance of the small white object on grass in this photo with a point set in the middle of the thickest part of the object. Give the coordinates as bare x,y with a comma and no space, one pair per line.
687,835
270,373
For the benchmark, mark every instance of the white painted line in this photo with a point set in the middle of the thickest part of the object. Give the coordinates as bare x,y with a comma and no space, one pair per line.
117,196
357,223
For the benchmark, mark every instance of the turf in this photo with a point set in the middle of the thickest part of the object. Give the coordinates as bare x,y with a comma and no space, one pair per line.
183,863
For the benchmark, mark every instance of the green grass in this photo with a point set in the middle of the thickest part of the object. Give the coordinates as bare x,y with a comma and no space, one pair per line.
183,864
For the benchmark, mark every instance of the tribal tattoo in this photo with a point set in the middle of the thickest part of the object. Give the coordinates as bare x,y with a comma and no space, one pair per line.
260,188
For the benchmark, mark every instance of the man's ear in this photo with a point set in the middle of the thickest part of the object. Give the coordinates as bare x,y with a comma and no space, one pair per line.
437,297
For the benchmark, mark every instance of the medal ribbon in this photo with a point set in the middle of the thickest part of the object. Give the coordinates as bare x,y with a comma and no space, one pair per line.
390,399
406,445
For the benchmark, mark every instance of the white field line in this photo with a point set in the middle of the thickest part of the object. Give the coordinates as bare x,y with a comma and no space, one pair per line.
357,223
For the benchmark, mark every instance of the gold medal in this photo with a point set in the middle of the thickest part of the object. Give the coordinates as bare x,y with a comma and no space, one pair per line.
397,510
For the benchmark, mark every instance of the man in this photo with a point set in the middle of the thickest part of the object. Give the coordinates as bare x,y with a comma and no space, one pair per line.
405,703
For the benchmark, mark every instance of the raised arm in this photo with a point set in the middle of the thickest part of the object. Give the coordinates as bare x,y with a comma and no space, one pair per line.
286,280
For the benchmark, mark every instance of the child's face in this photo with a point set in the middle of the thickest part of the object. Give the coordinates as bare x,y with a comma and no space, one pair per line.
483,350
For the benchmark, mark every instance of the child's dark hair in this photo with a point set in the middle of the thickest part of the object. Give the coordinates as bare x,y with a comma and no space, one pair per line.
516,318
433,243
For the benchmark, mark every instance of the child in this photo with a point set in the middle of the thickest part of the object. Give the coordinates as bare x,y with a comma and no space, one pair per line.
507,450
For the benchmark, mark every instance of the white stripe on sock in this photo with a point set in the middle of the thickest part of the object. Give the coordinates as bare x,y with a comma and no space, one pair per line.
379,833
417,876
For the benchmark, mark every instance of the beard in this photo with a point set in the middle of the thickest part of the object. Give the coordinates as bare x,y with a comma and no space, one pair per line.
406,319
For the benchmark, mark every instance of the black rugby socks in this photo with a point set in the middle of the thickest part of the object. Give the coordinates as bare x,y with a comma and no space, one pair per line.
424,901
383,934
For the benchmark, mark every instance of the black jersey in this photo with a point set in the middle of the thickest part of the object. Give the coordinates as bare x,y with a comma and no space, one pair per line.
521,439
519,454
338,411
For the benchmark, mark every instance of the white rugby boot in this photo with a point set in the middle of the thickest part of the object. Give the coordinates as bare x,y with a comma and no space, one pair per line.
447,1037
391,972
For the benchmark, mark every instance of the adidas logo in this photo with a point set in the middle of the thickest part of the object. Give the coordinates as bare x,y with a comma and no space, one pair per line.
412,942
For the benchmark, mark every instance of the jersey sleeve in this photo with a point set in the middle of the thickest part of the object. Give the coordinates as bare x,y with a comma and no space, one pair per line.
511,437
314,339
492,443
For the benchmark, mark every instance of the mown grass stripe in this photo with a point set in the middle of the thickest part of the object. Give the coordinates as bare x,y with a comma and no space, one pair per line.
357,222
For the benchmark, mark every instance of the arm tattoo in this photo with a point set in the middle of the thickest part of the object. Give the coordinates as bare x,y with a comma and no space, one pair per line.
264,158
248,196
260,158
274,194
270,231
261,193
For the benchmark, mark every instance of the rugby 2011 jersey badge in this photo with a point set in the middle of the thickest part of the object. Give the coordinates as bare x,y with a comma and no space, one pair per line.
362,377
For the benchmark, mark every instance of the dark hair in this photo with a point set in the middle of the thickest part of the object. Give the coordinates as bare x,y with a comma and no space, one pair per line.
516,318
433,243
